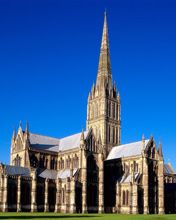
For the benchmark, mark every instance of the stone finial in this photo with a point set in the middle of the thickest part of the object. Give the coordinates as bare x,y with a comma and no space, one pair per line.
27,127
82,138
143,141
14,134
20,125
82,134
118,95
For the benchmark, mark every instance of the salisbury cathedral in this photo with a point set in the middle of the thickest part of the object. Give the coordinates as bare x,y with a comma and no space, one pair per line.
89,172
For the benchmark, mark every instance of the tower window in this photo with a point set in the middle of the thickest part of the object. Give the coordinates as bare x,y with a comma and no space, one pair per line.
109,133
113,110
109,109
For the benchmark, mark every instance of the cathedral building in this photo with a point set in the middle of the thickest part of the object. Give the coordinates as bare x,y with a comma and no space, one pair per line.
88,172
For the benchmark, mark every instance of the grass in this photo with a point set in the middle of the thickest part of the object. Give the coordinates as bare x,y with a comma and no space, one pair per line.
53,216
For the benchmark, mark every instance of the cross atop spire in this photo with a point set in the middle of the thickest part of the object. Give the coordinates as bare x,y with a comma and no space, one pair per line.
104,68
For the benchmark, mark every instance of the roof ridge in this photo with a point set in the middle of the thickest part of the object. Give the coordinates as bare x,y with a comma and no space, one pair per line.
130,143
73,135
44,136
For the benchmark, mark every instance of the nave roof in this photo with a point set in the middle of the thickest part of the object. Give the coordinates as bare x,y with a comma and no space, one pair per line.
16,170
127,150
54,144
54,174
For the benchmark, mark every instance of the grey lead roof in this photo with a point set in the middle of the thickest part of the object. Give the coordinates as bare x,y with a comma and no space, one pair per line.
14,170
48,174
44,142
128,178
53,174
127,150
55,144
168,169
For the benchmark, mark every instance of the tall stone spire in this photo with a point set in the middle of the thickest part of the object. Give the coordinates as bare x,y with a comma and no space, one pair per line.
103,107
104,77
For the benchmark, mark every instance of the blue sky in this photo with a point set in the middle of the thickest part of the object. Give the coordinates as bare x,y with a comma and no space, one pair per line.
49,54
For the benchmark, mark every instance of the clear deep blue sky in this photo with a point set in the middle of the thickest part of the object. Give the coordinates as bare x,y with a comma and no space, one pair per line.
49,54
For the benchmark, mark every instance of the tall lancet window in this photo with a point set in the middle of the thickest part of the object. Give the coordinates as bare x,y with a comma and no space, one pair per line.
17,161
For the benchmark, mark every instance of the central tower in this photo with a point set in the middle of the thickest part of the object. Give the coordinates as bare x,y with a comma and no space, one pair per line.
103,108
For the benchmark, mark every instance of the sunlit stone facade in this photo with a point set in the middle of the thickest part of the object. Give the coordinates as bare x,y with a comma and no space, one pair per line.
90,171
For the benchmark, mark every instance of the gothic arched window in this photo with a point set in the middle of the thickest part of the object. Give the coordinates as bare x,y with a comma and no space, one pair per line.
107,109
46,163
59,165
127,197
76,161
42,160
123,198
19,144
34,161
55,165
52,163
92,115
109,133
68,161
113,134
17,161
62,164
113,110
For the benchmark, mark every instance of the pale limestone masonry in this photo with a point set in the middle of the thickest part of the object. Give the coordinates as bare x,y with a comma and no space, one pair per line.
89,172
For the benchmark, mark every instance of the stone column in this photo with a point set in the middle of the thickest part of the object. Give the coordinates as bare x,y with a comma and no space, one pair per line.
19,194
33,193
5,185
58,195
46,206
118,197
134,198
161,186
101,184
72,195
84,182
67,196
145,185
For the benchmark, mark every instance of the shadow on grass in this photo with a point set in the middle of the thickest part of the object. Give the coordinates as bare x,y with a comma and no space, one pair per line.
47,216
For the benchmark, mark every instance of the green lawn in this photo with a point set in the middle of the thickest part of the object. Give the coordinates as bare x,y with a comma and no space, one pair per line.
53,216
